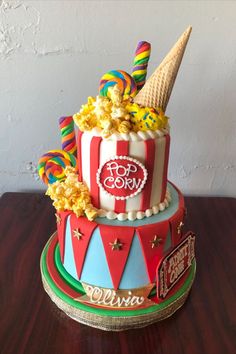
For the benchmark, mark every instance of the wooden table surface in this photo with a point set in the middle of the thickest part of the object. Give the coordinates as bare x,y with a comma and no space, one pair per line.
31,323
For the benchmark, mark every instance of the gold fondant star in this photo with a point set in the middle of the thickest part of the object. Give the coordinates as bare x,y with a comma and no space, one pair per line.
77,234
156,241
116,245
179,227
58,218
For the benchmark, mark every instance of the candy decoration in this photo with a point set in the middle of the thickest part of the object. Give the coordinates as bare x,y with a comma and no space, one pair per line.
146,118
124,81
157,90
68,134
142,55
51,166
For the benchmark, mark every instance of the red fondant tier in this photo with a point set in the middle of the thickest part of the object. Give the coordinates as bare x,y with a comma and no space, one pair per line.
111,310
120,255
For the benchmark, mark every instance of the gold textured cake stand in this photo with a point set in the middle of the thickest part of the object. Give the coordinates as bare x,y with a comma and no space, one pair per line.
57,288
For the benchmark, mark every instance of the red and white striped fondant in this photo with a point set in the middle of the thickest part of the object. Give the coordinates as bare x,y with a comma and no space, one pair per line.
153,152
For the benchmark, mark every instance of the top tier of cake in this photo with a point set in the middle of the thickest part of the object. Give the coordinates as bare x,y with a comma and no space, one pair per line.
123,140
122,144
125,173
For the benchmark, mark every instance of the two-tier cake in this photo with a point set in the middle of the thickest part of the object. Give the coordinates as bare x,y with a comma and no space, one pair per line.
120,258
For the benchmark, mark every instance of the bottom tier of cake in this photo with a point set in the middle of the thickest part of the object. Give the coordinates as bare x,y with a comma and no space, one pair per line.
65,291
119,275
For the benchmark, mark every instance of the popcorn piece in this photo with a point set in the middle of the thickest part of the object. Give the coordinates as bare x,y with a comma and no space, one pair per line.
119,112
72,195
115,95
91,213
86,118
125,127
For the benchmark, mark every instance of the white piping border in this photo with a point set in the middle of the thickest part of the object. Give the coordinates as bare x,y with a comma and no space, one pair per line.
133,215
132,136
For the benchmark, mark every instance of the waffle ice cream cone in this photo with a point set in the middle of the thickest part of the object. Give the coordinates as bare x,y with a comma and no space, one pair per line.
157,90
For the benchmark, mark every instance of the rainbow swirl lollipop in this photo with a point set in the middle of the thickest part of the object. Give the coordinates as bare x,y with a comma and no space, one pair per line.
124,81
68,134
51,166
142,55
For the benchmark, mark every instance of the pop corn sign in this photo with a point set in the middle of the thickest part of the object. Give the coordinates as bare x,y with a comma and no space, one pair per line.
122,177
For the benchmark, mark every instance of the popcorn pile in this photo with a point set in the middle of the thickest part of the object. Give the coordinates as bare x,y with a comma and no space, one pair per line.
72,195
115,114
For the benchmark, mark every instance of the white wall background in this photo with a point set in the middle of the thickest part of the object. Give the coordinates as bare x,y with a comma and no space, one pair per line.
53,53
